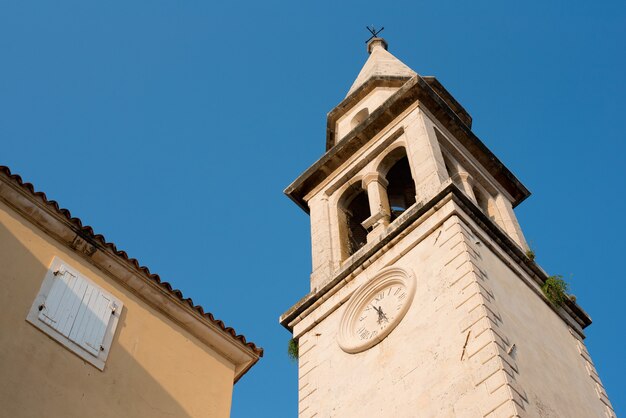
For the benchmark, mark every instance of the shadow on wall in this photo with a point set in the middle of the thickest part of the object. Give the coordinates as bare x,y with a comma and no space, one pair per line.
42,378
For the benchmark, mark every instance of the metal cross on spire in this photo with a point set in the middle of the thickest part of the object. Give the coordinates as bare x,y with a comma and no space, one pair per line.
374,32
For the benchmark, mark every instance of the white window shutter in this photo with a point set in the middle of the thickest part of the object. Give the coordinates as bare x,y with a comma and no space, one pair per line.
61,306
92,321
78,310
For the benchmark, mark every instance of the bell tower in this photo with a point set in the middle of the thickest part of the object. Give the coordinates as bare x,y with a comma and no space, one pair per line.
423,301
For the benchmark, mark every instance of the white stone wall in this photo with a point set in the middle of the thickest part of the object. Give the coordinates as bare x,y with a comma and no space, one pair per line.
478,341
415,368
552,363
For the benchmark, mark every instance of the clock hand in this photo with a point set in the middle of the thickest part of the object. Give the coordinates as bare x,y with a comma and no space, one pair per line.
381,315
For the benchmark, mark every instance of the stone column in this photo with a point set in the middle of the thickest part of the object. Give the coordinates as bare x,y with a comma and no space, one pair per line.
425,157
321,241
376,187
466,182
509,221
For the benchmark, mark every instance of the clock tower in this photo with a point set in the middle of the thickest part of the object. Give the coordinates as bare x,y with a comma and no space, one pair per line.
423,300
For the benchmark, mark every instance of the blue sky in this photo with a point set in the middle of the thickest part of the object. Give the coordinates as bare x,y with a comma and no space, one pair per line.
173,127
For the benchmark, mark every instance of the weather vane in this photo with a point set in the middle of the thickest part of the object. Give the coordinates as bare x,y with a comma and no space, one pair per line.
374,32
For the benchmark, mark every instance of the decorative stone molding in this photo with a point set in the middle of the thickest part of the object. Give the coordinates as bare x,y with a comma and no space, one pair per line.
377,177
508,251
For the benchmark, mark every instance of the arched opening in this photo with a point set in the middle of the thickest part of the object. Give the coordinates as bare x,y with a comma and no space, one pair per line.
481,200
485,202
360,116
354,208
450,168
401,188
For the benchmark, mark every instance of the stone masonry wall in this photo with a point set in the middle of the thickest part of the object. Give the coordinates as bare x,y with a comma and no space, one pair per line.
478,341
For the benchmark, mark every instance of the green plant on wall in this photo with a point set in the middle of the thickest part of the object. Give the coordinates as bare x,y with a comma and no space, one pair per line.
555,289
292,349
530,254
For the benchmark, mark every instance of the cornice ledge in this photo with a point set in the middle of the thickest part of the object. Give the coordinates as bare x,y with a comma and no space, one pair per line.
414,89
355,97
571,312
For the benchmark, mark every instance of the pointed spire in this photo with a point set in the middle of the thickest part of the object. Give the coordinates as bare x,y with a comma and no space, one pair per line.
380,63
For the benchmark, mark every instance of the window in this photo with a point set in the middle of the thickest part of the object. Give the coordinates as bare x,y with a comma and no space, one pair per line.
78,314
450,168
360,116
401,188
485,202
353,210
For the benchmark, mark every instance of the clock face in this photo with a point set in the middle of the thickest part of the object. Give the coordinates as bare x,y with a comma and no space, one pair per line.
375,309
381,311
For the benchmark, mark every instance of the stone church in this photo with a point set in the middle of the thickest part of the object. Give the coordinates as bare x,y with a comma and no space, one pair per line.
424,300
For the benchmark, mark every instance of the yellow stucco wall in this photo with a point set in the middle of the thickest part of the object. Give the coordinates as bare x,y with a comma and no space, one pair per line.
155,368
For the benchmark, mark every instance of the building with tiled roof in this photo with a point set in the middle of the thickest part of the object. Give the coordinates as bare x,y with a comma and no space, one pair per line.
88,331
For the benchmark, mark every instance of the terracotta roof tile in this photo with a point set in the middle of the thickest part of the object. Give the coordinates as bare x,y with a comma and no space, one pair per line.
88,231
